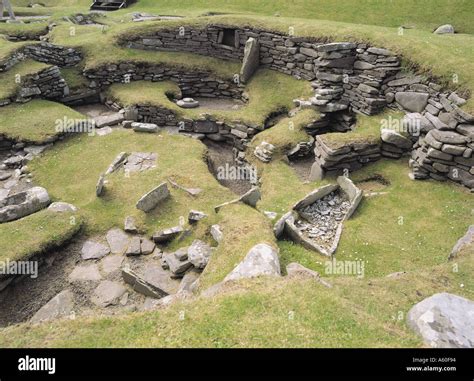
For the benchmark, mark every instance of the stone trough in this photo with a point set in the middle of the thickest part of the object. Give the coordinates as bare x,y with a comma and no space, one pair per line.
316,221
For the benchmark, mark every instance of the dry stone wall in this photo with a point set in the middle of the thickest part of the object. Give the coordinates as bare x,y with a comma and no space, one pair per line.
348,78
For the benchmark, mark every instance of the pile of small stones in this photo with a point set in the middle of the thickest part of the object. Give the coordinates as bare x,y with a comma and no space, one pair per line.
320,220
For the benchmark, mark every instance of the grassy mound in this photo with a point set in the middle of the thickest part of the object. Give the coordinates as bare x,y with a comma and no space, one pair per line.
287,132
11,79
366,130
34,121
36,233
263,101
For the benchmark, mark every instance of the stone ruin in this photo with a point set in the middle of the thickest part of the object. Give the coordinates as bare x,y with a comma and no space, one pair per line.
316,222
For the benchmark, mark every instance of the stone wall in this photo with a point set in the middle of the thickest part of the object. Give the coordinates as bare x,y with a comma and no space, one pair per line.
351,156
53,54
48,83
197,83
237,134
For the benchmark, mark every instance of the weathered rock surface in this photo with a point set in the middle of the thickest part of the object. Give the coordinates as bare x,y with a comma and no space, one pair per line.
144,127
195,216
464,242
216,233
444,29
411,101
262,259
62,207
199,253
118,241
150,201
94,250
444,321
177,267
108,293
251,59
85,273
60,306
22,204
108,120
130,226
167,235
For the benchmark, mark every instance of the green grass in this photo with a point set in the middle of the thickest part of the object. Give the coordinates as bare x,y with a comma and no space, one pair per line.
29,31
419,49
20,122
424,14
266,313
19,73
85,158
287,132
410,228
74,78
413,226
37,233
263,99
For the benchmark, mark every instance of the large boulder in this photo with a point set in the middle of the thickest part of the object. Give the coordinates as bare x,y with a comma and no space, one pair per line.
444,29
60,306
150,200
262,259
251,59
23,204
444,321
199,253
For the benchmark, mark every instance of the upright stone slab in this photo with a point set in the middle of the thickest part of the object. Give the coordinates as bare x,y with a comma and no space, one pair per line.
150,201
251,59
262,259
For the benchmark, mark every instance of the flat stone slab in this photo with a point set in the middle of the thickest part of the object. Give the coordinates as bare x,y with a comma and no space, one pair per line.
94,250
112,263
108,293
444,321
144,127
167,235
140,161
118,241
84,273
60,306
262,259
155,282
108,120
159,278
150,200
